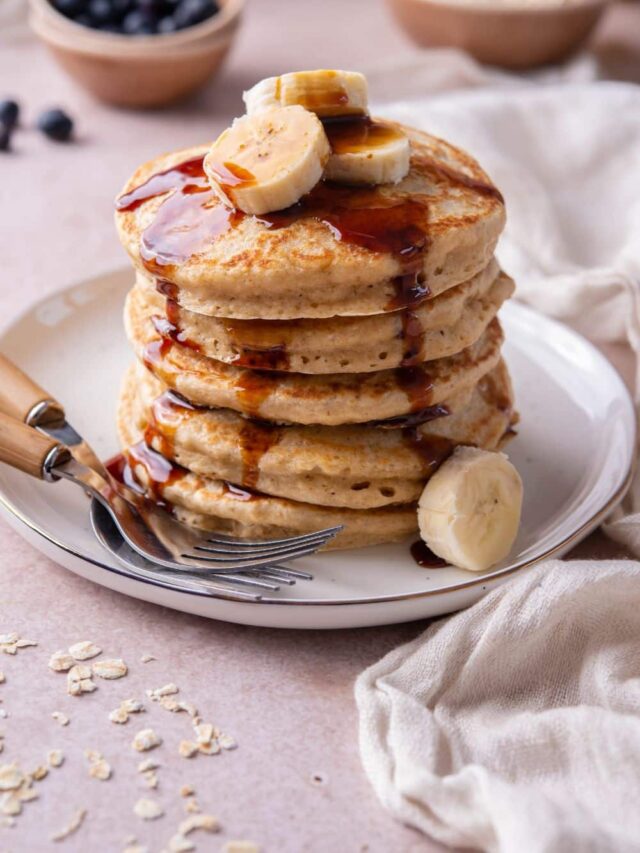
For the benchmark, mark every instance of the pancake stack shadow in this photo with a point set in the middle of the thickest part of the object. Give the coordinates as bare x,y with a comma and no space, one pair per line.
314,366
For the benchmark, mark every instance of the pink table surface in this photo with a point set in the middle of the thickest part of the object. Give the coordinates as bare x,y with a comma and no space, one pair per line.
286,696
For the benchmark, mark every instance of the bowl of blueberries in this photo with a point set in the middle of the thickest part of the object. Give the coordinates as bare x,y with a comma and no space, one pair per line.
138,53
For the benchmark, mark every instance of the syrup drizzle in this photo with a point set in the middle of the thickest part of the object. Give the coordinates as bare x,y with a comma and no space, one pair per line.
256,439
355,134
424,556
253,388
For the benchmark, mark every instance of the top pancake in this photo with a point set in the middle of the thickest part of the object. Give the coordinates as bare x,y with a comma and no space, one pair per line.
339,252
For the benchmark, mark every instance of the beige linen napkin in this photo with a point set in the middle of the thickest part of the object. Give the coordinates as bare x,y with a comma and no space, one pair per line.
514,726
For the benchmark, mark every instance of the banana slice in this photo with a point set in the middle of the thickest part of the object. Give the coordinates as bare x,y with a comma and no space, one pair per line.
469,511
323,92
268,161
364,151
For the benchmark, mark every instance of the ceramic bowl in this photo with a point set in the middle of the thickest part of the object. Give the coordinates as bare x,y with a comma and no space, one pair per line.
512,35
138,71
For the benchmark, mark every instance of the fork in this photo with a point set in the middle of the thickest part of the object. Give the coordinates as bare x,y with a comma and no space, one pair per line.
58,451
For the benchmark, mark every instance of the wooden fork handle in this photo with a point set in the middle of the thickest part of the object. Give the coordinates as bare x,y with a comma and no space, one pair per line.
24,399
27,449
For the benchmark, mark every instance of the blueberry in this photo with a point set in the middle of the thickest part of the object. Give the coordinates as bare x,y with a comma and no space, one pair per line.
167,25
55,124
83,19
120,8
70,8
136,23
100,12
151,8
9,112
190,12
5,137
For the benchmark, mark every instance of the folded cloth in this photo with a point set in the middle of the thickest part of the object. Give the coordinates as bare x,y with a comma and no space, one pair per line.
514,726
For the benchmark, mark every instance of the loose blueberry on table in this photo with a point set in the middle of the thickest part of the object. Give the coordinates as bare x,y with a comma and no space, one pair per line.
56,124
137,17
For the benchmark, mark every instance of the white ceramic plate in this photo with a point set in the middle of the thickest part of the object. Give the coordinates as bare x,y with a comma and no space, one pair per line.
574,451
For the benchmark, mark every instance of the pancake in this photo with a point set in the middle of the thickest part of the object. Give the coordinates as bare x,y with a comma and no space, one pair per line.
214,504
306,399
360,467
339,251
436,328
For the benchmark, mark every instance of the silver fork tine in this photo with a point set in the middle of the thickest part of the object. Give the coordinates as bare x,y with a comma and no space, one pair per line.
248,553
298,574
267,574
245,563
329,532
250,579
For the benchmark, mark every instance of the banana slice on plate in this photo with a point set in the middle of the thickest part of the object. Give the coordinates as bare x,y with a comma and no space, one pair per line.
323,92
366,151
469,511
268,161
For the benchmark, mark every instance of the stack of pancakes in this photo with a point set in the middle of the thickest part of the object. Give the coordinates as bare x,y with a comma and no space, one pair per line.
314,366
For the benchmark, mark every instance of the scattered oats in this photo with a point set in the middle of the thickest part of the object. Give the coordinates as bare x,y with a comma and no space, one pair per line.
146,739
26,794
73,825
61,718
211,748
207,822
84,650
11,777
192,806
12,799
179,844
61,661
55,757
3,714
147,658
148,809
240,847
10,804
204,733
227,742
187,790
134,847
10,643
79,680
174,705
187,748
127,707
99,768
159,692
151,779
119,715
2,678
110,669
147,764
39,773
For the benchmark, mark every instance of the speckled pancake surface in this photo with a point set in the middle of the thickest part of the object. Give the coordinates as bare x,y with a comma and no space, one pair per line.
445,215
213,504
302,398
359,467
436,328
